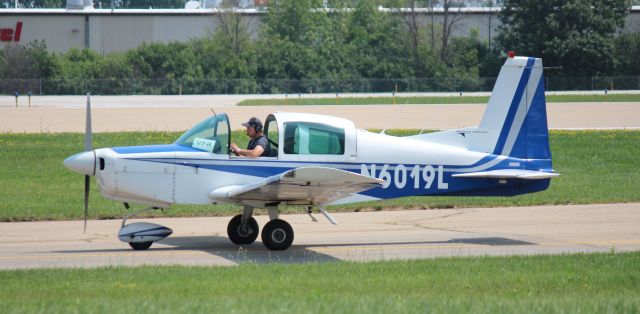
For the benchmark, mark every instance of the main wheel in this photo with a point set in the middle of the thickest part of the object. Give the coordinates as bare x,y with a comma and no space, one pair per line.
277,235
140,246
240,234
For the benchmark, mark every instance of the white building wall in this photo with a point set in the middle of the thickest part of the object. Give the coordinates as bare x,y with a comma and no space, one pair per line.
120,33
60,33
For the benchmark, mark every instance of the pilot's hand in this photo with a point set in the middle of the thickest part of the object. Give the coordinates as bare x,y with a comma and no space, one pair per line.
234,148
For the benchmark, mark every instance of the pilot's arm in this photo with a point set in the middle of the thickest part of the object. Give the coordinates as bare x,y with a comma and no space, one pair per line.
249,153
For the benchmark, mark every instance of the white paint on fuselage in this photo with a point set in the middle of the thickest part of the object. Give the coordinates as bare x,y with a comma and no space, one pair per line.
183,178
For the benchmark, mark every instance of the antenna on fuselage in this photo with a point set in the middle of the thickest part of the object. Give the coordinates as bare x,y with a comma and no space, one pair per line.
214,112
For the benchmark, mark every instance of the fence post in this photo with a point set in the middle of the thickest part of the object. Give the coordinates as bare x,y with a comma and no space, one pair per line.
546,79
611,82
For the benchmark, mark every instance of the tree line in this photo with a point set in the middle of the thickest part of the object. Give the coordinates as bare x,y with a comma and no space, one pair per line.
352,46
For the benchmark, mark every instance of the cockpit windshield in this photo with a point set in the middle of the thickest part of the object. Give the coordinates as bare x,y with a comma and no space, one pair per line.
210,135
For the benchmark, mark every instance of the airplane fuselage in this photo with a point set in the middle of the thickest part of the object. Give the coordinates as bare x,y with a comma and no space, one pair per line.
161,175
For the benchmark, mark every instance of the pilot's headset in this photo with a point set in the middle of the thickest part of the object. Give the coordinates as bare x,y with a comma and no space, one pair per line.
256,123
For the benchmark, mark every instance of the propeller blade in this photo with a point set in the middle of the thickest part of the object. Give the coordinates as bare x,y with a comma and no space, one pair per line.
88,145
88,134
87,184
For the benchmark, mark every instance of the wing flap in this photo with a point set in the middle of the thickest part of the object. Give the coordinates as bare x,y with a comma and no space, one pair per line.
509,174
308,185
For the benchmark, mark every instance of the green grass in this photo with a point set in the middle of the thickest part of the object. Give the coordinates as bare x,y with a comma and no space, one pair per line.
293,100
593,283
596,167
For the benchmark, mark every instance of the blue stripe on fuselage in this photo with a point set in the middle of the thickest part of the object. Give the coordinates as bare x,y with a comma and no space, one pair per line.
257,168
165,148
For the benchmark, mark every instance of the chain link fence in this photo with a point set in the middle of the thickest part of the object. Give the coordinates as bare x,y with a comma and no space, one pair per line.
308,86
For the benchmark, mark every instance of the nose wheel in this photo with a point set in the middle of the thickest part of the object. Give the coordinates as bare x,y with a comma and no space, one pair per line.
277,235
140,246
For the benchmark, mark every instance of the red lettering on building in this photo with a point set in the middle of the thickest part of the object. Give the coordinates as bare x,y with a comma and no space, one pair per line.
9,34
16,37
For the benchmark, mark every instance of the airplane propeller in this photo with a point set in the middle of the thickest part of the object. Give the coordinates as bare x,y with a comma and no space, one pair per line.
88,139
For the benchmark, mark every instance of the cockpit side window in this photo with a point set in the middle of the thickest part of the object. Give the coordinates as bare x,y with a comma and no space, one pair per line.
306,138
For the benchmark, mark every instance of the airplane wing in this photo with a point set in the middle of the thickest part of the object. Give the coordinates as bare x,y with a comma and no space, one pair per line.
302,186
509,174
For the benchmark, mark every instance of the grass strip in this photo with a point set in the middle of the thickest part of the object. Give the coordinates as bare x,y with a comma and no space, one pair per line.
596,167
579,283
297,101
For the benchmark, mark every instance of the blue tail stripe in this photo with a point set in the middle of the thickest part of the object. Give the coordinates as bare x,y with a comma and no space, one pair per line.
513,108
533,139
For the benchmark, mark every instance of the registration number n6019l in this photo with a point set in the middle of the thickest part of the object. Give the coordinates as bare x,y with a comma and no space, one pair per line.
420,177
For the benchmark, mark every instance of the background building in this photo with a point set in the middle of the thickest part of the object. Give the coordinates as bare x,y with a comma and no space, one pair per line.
107,30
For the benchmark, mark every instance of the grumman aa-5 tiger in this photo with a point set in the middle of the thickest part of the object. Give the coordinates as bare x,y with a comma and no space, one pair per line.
320,160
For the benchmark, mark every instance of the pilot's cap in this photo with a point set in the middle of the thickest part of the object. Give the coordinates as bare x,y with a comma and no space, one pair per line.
254,122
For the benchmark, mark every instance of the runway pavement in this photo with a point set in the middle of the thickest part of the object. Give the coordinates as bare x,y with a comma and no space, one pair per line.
450,116
367,236
178,113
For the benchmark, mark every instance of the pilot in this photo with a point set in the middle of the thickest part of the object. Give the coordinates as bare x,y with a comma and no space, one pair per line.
258,145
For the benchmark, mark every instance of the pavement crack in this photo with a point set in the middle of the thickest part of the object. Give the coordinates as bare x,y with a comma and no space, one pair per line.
418,223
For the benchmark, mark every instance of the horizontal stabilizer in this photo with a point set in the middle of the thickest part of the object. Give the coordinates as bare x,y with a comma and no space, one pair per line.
509,174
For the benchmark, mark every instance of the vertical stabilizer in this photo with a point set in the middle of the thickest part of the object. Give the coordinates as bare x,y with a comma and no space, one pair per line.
515,121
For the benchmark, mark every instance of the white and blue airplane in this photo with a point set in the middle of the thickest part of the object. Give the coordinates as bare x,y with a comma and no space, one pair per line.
321,160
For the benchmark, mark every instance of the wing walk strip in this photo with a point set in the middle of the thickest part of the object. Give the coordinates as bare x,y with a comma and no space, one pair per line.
319,248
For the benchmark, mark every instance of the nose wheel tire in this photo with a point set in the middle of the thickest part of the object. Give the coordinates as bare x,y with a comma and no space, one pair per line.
277,235
140,246
242,235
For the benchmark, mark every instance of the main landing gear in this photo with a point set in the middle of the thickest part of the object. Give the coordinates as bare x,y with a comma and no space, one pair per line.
277,234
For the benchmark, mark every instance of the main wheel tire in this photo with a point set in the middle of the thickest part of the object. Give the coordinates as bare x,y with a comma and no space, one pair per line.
140,246
242,235
277,235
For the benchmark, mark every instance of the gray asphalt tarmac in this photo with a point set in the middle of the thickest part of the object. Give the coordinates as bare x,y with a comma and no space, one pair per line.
178,113
365,236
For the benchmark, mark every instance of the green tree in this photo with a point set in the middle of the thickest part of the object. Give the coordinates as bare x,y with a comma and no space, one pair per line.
378,43
577,35
303,41
626,51
158,61
31,61
292,20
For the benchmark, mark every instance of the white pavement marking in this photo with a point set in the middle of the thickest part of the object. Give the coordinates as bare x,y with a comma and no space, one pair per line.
386,235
